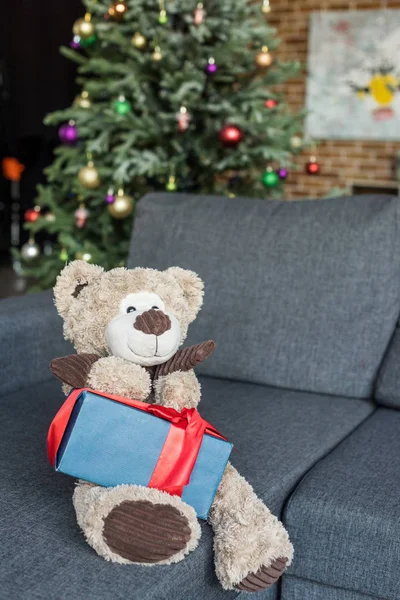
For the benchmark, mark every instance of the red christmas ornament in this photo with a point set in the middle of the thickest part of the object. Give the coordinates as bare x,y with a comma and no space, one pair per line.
230,135
271,103
199,14
32,214
313,167
81,215
183,119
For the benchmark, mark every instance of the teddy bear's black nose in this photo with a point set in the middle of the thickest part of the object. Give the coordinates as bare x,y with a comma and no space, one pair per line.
153,322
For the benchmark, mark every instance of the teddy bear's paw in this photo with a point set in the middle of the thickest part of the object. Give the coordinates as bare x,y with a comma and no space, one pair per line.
178,390
113,375
133,524
142,532
264,578
251,546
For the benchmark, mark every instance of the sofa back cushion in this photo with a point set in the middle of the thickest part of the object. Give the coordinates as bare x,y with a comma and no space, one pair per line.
31,335
388,383
301,295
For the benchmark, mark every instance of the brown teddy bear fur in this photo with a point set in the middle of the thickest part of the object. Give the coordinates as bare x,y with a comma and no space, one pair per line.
251,547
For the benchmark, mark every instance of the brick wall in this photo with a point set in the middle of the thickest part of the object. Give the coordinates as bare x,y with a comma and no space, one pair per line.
342,162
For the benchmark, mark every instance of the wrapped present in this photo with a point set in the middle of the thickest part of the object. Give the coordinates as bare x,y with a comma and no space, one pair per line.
109,440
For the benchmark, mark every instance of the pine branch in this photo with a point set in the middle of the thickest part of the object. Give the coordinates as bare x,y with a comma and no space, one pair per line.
141,149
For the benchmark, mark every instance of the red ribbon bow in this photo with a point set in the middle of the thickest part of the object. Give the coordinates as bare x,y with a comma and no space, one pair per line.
179,453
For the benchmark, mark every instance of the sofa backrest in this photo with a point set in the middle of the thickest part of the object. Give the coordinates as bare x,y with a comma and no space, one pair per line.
302,295
388,384
31,335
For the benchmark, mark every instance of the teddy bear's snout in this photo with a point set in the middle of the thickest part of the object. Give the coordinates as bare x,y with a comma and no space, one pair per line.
153,322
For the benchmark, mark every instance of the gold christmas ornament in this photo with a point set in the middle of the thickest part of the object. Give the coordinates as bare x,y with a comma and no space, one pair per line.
84,28
50,217
83,100
296,141
117,10
89,177
266,7
264,59
139,41
122,207
157,54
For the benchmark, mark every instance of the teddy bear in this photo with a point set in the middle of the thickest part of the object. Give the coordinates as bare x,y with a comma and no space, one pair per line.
127,327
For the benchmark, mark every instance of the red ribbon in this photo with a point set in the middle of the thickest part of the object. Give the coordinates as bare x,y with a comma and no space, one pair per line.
179,453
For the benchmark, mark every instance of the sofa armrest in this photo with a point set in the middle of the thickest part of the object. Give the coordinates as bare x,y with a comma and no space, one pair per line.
30,337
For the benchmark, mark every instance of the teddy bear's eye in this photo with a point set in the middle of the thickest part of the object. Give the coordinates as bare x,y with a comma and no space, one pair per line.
131,309
155,307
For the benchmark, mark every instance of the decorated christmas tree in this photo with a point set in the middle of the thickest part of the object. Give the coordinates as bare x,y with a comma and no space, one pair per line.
177,96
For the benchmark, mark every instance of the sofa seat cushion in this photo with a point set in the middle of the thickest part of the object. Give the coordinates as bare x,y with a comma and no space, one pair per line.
303,295
43,553
294,588
344,517
278,435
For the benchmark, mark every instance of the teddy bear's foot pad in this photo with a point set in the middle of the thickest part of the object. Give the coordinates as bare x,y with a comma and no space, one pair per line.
264,578
143,532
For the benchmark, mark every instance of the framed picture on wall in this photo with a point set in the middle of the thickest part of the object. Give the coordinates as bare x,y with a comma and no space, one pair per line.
353,85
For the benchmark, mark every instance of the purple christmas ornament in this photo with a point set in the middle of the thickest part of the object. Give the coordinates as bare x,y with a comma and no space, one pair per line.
110,198
75,43
283,173
212,67
68,133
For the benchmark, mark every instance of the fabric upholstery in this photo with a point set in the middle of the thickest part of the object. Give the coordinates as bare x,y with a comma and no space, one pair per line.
294,588
278,436
388,385
302,295
344,516
43,553
30,337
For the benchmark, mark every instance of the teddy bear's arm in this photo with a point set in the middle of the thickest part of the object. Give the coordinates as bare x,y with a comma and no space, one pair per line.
113,375
73,370
186,359
175,383
110,375
178,390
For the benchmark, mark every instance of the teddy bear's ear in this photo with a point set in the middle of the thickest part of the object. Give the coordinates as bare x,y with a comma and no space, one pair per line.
193,289
71,281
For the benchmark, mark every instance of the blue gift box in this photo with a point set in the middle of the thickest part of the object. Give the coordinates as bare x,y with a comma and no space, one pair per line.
110,443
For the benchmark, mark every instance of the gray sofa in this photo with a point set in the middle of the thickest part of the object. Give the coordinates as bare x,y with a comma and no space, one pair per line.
303,301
